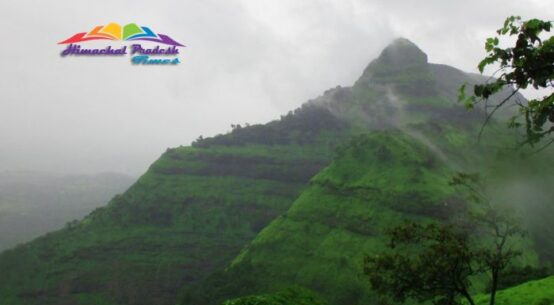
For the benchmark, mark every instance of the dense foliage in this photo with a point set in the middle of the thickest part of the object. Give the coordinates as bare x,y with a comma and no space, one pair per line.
429,263
528,63
300,126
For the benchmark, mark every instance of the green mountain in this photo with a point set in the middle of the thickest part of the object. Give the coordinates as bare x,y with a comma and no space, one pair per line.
375,182
396,172
33,203
186,217
296,201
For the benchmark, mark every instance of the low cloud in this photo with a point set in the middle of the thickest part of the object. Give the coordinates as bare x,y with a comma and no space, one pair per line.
244,61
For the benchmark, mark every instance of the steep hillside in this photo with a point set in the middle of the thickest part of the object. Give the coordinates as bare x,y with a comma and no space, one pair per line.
188,216
375,182
417,139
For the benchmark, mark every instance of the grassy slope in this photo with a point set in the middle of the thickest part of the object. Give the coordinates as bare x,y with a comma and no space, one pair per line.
289,296
188,216
379,180
539,292
320,242
376,182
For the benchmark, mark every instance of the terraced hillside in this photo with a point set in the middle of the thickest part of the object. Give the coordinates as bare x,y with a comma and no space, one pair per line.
188,216
386,145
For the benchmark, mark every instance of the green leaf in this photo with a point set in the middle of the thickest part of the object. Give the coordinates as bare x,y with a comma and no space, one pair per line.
462,93
482,65
478,90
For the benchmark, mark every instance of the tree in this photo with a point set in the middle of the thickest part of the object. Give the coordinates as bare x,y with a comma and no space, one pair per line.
436,262
528,63
499,225
430,262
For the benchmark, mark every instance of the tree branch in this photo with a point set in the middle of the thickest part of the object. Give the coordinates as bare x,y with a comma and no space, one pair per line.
489,116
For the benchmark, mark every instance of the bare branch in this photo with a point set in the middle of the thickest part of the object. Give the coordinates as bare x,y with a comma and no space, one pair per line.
489,116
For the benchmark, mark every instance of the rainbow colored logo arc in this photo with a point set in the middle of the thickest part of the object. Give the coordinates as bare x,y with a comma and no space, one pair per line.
114,31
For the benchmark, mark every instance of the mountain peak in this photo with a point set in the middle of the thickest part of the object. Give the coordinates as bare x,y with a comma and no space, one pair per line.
400,52
399,57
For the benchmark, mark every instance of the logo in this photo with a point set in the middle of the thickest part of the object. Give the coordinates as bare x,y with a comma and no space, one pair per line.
164,53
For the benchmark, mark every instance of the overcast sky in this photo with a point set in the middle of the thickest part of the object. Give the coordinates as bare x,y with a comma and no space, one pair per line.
244,61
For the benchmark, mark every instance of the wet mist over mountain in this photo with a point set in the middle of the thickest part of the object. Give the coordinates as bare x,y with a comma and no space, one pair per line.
35,203
297,201
266,166
244,62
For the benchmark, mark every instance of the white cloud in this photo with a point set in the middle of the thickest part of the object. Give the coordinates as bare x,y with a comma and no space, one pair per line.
245,61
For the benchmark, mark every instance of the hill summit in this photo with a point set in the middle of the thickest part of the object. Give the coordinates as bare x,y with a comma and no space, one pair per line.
402,52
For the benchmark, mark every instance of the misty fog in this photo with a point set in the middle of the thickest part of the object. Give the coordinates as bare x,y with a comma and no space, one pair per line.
244,61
